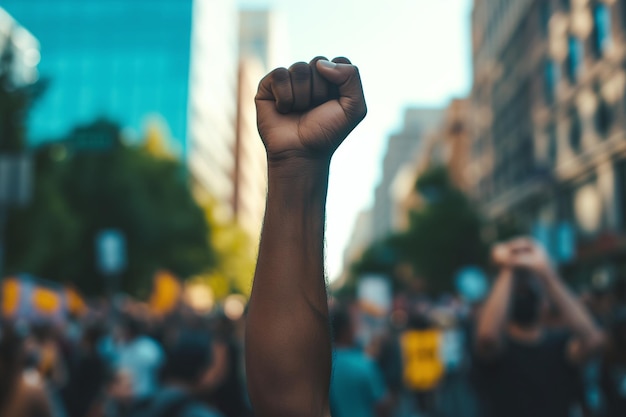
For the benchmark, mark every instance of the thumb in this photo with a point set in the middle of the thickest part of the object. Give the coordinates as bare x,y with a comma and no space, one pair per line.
346,77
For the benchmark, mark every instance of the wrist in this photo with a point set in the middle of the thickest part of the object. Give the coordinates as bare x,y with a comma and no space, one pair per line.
287,157
299,181
548,273
298,168
505,273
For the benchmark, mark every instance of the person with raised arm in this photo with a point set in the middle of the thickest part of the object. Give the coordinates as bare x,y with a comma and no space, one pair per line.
303,114
525,367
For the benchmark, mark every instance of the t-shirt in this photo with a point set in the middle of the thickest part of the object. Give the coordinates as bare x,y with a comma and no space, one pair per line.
529,379
356,386
141,358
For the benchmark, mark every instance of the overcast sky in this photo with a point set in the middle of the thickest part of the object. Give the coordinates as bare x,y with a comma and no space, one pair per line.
409,52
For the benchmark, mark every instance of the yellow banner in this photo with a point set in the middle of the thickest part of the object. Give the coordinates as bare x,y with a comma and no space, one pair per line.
10,296
166,293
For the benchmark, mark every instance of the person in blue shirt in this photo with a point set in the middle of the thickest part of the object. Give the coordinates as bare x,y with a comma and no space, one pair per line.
357,387
139,355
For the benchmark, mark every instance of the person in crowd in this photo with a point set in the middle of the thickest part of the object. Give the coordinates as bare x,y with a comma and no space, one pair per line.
44,347
619,291
525,368
423,364
303,114
87,374
139,355
187,360
117,399
600,301
389,361
357,386
223,384
455,396
613,366
22,394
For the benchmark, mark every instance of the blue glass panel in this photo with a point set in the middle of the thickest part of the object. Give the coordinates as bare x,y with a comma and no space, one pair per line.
602,20
109,58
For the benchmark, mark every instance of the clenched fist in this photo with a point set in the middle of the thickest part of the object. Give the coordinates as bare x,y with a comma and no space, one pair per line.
522,252
306,111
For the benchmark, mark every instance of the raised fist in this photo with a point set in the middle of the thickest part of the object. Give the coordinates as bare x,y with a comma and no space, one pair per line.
306,111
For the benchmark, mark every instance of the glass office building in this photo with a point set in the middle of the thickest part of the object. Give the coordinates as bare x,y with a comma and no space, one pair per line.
120,59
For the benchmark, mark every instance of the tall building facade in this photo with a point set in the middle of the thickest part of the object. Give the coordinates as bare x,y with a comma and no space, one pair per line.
119,59
402,150
194,63
549,139
260,50
250,176
213,102
447,146
263,36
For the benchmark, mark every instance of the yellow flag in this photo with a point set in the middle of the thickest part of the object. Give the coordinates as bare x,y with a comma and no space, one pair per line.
75,303
166,293
10,296
46,301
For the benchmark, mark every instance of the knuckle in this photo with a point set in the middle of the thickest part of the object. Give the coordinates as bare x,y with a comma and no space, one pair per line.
300,72
353,72
342,60
280,76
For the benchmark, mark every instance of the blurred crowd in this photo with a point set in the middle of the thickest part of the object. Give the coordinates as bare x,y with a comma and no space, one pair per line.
127,363
531,347
519,347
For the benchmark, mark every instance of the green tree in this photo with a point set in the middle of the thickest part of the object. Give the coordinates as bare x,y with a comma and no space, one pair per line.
381,257
236,254
92,181
444,235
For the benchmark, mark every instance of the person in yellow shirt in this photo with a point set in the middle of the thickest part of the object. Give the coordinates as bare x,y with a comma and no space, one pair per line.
423,365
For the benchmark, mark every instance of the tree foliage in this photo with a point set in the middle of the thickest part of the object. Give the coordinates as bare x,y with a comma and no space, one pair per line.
444,235
92,181
236,253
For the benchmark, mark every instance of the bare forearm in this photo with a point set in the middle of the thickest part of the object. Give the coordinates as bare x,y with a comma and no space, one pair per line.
574,313
288,315
494,314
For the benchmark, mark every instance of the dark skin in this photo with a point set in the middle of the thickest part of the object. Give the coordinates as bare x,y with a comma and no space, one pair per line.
303,114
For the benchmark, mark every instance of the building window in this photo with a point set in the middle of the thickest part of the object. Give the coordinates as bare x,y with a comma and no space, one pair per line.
552,144
575,130
552,77
574,58
603,118
545,13
601,29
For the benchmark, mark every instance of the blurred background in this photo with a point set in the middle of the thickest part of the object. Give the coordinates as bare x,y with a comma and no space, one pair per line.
132,177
